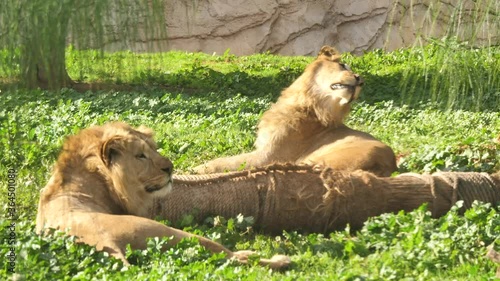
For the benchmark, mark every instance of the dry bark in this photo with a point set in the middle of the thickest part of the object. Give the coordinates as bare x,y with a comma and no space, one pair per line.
286,197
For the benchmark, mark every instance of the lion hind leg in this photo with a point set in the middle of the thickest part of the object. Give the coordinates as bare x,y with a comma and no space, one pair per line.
366,155
232,163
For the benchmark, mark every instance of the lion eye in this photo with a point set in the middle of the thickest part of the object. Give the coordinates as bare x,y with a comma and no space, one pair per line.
345,66
141,156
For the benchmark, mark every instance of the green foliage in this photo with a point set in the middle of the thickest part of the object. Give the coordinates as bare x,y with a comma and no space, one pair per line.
414,244
453,75
428,139
254,75
212,110
452,71
403,246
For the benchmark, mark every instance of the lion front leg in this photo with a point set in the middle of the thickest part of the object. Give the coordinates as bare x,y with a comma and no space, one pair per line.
112,233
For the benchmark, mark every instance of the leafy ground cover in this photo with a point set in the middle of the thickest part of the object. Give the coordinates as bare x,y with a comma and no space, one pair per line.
204,106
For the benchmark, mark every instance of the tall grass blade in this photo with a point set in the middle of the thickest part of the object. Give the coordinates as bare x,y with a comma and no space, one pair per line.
461,69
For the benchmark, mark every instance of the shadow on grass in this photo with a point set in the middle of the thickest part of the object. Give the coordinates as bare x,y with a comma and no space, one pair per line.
201,81
206,83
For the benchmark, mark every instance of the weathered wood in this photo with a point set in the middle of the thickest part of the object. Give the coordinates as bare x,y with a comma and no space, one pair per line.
286,197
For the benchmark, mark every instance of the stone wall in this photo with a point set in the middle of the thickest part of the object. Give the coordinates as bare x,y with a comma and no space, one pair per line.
301,27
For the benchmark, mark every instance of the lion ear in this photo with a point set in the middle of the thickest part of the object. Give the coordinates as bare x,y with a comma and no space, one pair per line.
146,131
110,150
329,53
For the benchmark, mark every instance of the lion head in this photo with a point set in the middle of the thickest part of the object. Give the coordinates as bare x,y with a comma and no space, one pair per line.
114,166
327,86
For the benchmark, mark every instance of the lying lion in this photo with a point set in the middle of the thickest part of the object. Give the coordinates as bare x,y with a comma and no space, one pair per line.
306,125
102,191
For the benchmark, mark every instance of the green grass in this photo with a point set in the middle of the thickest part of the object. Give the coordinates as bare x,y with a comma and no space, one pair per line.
202,107
404,246
453,74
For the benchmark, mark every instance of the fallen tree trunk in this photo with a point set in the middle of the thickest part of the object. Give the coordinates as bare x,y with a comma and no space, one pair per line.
286,197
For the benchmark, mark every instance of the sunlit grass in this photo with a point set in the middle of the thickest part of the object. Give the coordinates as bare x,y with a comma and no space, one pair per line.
453,75
461,68
450,74
218,117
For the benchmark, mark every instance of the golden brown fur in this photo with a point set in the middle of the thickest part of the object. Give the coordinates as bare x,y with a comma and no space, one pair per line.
306,125
103,187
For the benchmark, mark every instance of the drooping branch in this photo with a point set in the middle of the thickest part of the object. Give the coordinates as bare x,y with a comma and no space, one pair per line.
36,33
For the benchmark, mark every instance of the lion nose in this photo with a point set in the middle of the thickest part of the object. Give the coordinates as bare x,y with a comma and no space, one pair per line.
167,170
167,166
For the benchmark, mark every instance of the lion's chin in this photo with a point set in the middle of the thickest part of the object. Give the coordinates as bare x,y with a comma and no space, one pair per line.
153,188
348,95
159,189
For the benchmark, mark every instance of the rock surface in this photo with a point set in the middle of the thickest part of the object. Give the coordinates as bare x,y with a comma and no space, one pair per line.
301,27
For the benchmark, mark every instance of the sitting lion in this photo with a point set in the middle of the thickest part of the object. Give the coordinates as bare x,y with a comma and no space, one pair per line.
306,125
102,191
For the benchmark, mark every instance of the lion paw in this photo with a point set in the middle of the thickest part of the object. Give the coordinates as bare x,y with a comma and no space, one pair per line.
242,256
279,261
276,262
